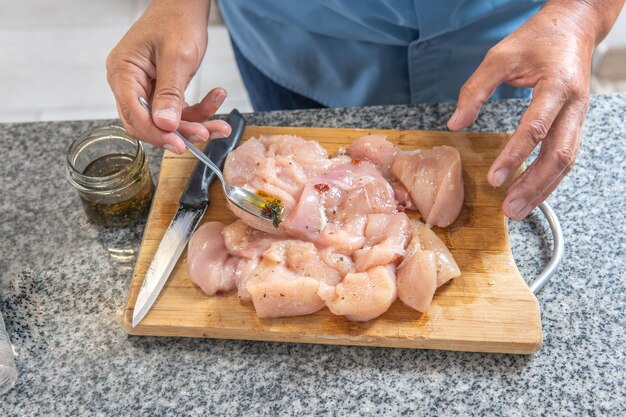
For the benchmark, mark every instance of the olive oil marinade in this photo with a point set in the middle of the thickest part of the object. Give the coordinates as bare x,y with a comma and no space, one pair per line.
122,212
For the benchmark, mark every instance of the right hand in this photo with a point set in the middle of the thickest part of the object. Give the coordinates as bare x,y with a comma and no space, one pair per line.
156,59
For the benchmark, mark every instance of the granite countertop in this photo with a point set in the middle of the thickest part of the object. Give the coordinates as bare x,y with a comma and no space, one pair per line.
64,283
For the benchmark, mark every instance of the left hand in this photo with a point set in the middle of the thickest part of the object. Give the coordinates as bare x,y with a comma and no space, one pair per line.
552,53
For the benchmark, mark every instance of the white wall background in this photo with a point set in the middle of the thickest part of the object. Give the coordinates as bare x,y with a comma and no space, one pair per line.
617,37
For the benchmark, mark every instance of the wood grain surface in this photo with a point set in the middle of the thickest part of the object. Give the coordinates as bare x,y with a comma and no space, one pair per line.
488,309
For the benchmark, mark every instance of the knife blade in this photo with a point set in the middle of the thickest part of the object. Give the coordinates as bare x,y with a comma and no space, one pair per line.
191,208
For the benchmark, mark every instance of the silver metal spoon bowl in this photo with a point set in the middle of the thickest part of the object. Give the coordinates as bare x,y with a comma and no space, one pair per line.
240,197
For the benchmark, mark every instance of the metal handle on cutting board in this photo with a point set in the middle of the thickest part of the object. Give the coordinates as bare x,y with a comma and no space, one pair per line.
557,251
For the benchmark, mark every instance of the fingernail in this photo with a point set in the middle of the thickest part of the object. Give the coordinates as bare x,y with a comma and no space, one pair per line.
500,176
454,116
168,113
197,138
219,99
218,135
517,207
170,148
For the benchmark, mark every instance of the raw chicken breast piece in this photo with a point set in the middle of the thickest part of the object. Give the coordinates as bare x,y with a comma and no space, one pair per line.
367,190
276,291
425,239
309,154
376,149
286,281
210,267
417,280
434,179
386,237
362,296
243,241
427,265
241,164
304,259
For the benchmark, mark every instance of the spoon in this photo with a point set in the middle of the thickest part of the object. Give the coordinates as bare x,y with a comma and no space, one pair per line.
240,197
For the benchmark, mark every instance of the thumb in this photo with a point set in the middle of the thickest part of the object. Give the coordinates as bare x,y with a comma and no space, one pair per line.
172,76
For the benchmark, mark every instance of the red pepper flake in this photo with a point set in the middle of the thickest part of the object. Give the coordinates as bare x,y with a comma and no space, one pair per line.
356,161
322,188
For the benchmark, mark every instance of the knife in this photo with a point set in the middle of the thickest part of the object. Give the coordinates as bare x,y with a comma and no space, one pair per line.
191,208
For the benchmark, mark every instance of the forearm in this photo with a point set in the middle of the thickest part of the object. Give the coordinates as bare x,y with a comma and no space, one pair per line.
592,19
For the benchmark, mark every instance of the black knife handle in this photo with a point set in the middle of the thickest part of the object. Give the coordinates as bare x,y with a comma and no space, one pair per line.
196,194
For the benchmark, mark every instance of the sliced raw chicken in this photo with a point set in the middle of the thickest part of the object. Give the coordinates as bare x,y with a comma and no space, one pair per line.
434,179
367,190
362,296
304,259
286,281
427,264
376,149
386,238
309,154
343,230
417,280
278,166
423,238
277,291
332,206
210,266
242,163
243,241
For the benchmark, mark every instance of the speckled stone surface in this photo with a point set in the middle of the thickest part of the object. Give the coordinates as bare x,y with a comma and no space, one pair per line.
64,285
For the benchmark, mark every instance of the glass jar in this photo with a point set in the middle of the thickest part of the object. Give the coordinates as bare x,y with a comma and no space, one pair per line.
109,169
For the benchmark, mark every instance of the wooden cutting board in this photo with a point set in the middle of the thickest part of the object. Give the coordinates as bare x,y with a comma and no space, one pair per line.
488,309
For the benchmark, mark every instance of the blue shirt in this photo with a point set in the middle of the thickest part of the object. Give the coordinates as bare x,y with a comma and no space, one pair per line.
345,53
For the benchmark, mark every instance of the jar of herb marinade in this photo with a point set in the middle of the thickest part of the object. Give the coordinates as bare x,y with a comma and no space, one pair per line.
109,169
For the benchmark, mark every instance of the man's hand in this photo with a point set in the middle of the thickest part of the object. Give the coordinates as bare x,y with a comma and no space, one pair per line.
156,59
552,53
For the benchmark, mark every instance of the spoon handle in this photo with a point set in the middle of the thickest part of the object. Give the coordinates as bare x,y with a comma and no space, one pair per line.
202,157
